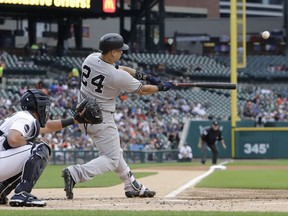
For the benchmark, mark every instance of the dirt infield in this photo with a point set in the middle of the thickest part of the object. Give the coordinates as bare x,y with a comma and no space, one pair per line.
166,181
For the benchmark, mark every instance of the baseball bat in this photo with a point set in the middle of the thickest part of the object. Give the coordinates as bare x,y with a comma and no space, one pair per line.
213,85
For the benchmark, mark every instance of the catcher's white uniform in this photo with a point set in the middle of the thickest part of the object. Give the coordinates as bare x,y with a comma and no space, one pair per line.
12,160
103,82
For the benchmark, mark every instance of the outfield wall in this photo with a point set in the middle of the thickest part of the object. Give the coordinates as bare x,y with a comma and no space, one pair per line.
250,142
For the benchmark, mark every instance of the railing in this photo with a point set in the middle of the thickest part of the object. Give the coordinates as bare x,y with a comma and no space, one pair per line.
83,156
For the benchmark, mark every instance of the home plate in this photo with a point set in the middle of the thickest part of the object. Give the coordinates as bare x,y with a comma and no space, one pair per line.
218,167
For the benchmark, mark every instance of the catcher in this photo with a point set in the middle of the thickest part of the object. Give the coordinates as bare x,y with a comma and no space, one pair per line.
23,157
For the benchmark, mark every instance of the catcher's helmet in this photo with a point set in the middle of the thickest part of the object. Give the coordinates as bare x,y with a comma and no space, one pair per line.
36,101
112,41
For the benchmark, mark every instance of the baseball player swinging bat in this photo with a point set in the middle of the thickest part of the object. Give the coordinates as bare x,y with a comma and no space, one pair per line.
213,85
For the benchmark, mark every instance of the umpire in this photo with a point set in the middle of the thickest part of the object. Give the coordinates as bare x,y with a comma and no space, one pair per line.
209,136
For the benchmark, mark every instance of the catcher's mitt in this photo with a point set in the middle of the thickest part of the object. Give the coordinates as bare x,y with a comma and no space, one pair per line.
92,113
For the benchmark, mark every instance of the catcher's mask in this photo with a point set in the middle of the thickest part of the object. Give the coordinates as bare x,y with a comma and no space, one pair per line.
112,41
36,101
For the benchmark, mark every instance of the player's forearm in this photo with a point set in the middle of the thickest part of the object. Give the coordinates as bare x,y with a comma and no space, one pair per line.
138,74
131,71
56,125
148,89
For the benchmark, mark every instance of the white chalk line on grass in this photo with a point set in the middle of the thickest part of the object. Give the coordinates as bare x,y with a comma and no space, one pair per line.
196,180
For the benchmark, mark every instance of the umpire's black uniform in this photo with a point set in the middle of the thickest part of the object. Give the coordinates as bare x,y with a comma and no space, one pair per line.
210,136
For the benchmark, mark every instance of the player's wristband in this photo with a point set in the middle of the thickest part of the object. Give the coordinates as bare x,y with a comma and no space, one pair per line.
67,122
160,87
141,76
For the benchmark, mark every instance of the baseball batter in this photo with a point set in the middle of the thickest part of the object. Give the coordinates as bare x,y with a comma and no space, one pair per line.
22,158
103,81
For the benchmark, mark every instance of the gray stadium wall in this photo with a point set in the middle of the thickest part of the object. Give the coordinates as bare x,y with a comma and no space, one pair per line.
98,27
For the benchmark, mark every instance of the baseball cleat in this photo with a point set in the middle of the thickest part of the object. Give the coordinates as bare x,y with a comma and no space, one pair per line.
25,199
144,192
68,182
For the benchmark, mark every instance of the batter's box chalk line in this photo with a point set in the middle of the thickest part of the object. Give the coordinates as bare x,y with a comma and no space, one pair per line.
196,180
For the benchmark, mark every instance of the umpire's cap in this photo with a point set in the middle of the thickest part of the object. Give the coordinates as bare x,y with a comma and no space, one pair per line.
112,41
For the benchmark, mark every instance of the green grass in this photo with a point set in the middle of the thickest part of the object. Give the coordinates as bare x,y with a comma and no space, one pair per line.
252,179
51,178
246,179
249,178
132,213
259,163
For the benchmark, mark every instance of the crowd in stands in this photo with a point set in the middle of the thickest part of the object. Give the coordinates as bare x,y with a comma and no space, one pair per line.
142,127
137,127
266,105
277,68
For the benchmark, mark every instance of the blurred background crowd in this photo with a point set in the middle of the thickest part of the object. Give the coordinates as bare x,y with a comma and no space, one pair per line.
147,122
178,41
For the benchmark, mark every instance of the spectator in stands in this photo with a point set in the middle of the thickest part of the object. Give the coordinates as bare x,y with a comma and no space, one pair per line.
7,102
43,49
260,120
2,68
23,89
74,72
123,97
40,85
59,89
53,87
35,50
248,109
159,143
184,107
279,100
185,153
173,135
174,118
118,115
198,110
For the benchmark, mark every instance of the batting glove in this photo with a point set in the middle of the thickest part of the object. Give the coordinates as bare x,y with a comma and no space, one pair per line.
165,86
154,80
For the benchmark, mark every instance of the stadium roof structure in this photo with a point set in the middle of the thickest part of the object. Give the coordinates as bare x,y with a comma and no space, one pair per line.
142,12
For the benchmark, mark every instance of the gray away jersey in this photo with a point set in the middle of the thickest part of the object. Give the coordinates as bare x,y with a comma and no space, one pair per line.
102,81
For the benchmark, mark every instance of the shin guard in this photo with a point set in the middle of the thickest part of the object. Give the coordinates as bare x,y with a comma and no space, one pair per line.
34,167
